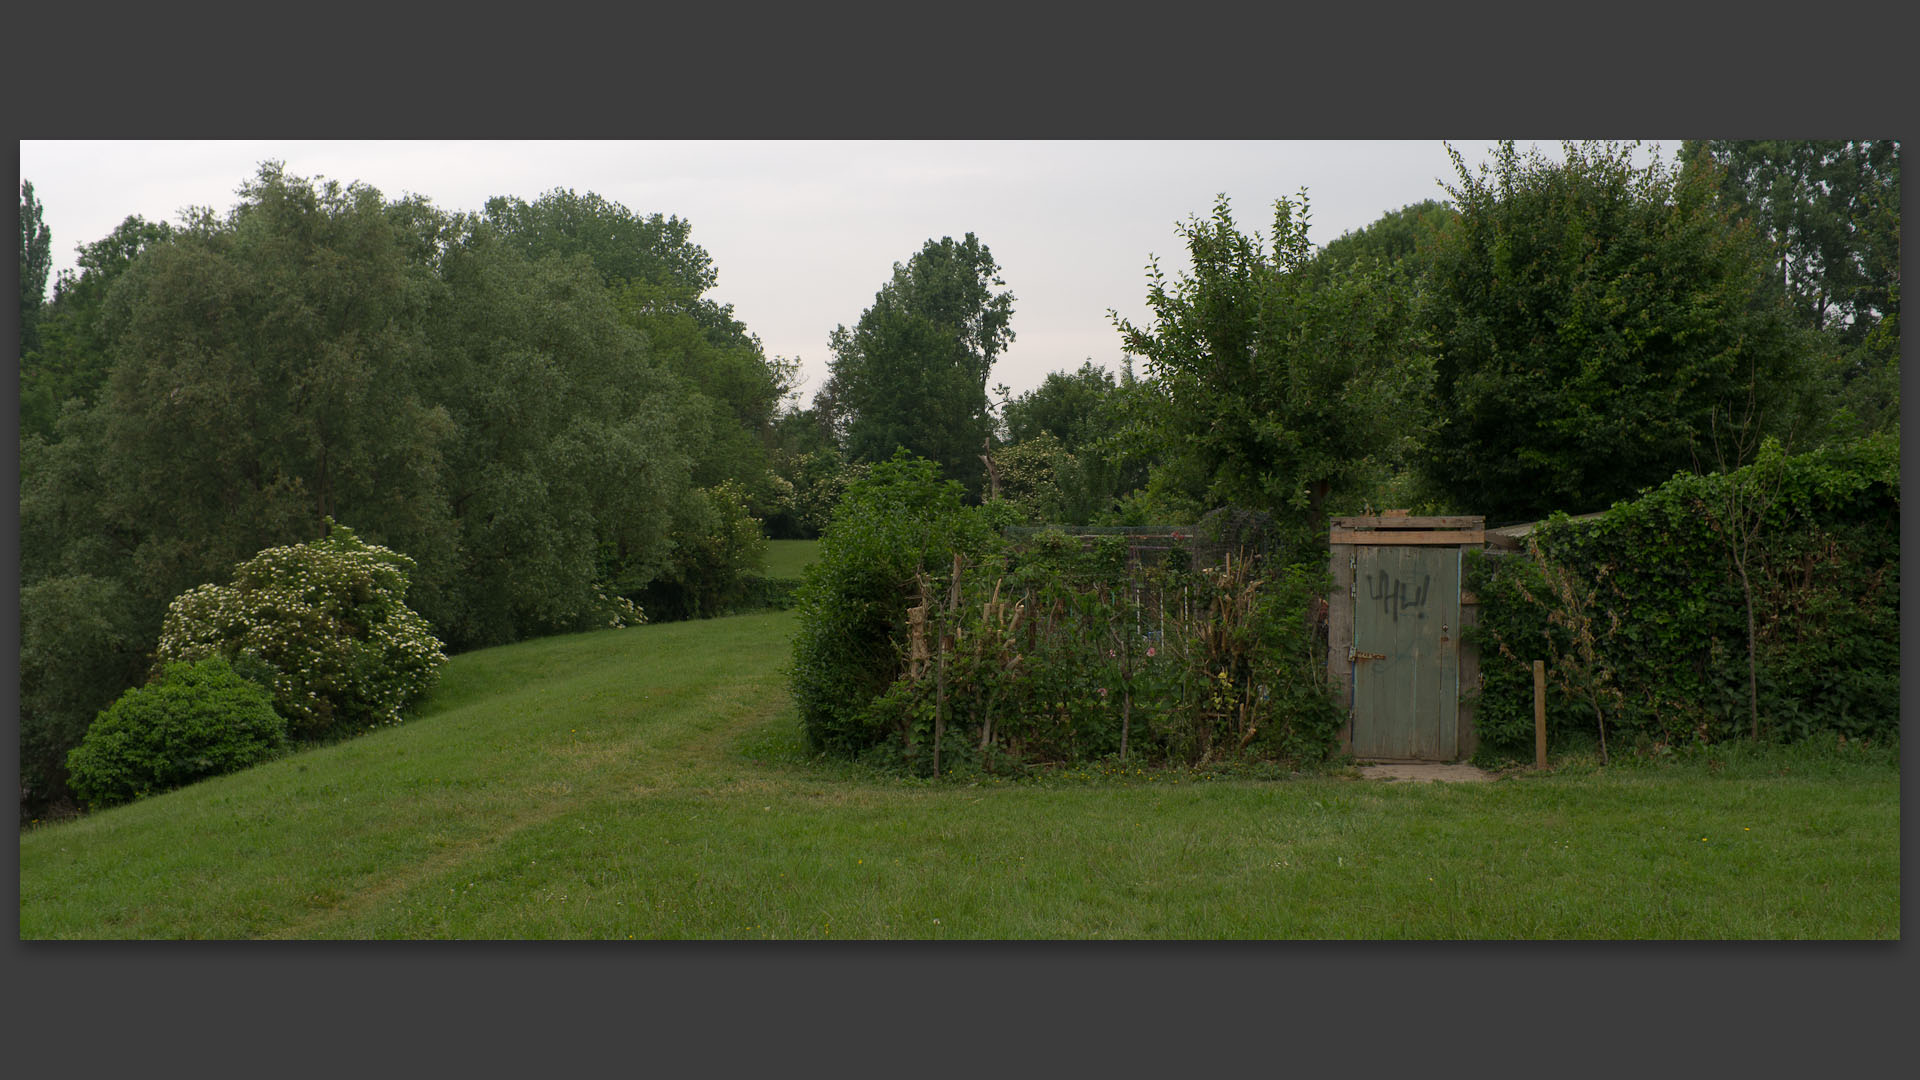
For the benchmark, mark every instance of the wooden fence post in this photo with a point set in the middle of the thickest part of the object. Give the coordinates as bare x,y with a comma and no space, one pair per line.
1539,714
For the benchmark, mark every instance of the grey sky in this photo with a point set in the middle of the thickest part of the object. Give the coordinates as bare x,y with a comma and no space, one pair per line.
804,233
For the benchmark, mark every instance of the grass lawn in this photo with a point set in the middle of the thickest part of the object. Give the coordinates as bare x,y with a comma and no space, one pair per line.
786,558
651,783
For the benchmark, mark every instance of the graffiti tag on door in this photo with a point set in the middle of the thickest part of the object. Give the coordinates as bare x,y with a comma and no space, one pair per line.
1398,594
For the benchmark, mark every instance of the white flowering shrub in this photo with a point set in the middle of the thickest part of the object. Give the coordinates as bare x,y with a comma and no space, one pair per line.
327,620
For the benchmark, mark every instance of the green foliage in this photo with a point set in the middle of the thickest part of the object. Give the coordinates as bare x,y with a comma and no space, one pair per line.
329,620
1595,325
1279,385
36,262
812,484
719,550
268,373
1656,590
71,357
198,720
898,521
1090,461
921,650
1075,407
573,454
1401,242
80,642
1042,480
912,373
1830,211
1060,653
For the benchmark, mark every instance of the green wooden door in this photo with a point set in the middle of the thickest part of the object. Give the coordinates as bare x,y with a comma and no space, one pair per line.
1406,656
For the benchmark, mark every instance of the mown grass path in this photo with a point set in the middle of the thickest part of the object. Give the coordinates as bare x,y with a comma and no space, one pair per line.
649,783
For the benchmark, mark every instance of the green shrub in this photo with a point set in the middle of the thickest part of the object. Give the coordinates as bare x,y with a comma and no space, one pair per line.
718,551
200,720
895,522
328,618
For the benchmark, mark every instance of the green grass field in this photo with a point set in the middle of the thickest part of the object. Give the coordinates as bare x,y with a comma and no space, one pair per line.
651,783
786,558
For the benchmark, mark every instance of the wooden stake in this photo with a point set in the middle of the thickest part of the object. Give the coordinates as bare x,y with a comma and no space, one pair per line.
1539,714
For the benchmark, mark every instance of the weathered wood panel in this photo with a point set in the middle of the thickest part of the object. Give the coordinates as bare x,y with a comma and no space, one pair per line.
1456,537
1406,671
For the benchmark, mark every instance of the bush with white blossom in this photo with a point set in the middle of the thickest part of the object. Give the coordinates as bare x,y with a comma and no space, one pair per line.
328,623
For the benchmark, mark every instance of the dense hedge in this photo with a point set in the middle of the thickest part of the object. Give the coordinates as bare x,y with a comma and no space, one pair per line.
1654,590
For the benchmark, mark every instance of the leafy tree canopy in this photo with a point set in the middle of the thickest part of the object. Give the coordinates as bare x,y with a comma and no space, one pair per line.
1597,325
1278,386
1831,210
1075,407
913,371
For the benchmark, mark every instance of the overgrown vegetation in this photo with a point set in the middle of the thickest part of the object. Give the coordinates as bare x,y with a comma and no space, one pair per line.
1643,612
538,405
929,641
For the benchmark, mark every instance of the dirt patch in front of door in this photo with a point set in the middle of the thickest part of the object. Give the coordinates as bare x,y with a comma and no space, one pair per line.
1425,771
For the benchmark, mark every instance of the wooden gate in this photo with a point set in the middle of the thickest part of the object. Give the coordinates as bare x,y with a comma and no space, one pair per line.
1393,635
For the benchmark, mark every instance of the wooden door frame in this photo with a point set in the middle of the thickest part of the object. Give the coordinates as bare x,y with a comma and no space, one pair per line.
1343,537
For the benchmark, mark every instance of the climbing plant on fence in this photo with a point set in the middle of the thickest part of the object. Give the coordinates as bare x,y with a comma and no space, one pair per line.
1643,613
931,643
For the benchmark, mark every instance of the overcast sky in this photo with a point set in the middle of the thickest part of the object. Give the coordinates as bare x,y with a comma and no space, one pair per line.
804,233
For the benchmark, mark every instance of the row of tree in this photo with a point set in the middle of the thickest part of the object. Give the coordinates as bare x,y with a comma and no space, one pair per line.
1558,335
537,403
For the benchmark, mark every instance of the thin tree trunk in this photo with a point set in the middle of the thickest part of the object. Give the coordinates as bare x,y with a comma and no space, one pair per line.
1753,661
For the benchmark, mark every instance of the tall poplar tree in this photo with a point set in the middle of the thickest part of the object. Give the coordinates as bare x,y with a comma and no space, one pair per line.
36,262
913,371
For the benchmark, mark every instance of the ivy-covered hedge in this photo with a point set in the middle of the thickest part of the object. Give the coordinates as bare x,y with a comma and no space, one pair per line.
1642,612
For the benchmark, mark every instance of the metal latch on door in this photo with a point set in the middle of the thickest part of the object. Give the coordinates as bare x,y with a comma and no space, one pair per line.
1353,655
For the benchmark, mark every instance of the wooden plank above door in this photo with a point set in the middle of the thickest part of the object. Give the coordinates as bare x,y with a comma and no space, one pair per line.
1407,536
1392,522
